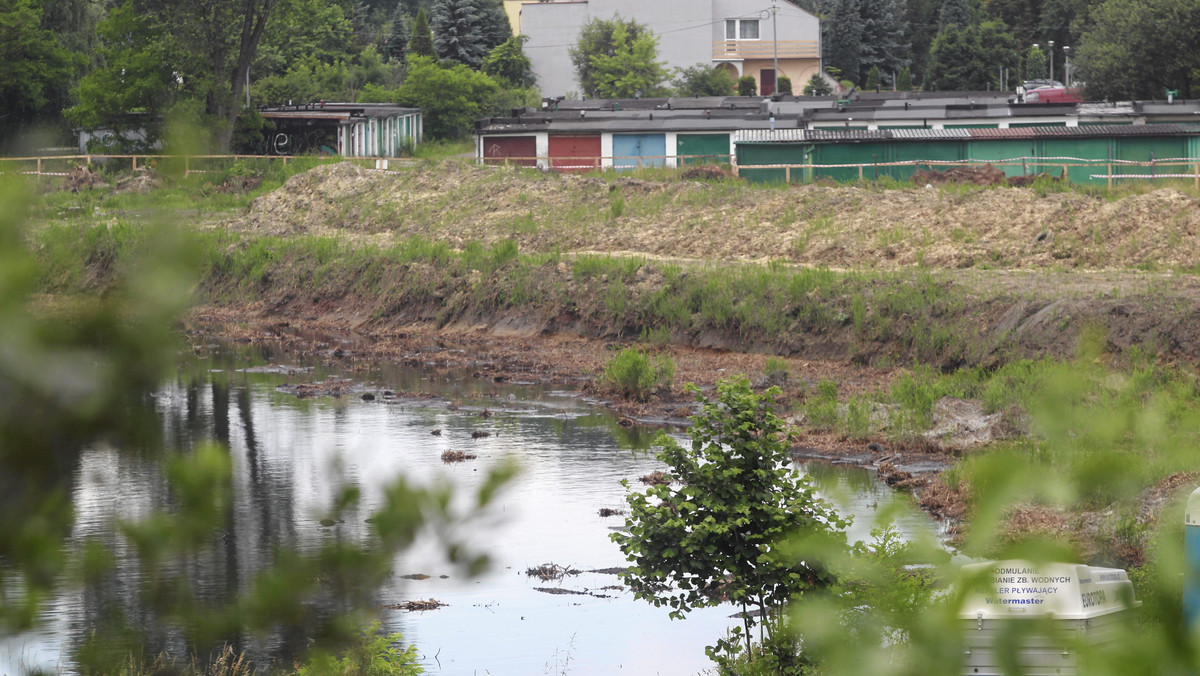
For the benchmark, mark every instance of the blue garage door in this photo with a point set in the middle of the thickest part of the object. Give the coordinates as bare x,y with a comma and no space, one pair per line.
633,150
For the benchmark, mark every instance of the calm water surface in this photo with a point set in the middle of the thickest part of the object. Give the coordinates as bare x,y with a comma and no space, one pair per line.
292,454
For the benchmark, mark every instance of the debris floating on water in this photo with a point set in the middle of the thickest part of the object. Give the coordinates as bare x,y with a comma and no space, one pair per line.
457,456
550,571
428,604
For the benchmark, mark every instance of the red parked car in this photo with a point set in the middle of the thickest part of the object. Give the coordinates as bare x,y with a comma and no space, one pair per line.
1053,95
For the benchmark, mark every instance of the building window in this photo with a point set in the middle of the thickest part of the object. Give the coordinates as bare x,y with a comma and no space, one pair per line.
741,29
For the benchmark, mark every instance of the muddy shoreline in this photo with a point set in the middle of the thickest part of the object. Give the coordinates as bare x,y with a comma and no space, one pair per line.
577,362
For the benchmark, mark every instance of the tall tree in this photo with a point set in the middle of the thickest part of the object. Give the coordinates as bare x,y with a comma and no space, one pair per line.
844,41
495,25
397,43
967,59
1021,17
921,27
458,31
304,31
137,78
33,63
1141,48
955,13
421,43
617,58
882,42
222,37
210,45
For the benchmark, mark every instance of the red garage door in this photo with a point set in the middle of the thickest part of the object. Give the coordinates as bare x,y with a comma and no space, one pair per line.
520,150
575,153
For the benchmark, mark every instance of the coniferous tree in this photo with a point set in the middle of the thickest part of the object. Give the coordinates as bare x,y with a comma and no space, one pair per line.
954,13
494,23
921,27
397,43
466,30
873,79
817,86
456,31
904,81
421,43
881,44
844,41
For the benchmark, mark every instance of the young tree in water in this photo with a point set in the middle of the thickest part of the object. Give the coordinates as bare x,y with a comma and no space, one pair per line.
718,530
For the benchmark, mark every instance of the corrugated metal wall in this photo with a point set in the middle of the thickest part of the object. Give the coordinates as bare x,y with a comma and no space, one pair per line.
1025,152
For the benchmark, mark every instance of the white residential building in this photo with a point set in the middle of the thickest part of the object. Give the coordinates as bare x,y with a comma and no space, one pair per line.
744,37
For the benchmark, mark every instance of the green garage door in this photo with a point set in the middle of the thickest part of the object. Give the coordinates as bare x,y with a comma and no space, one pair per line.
702,148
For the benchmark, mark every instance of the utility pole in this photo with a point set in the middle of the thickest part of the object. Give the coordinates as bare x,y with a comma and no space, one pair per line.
775,39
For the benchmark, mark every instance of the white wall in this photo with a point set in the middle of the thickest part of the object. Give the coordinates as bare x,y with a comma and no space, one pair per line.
686,30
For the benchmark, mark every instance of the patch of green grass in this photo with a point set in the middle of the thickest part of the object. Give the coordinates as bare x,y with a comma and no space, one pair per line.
636,374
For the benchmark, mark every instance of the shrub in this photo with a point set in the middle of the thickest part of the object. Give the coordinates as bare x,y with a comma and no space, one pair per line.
777,371
374,654
747,86
635,374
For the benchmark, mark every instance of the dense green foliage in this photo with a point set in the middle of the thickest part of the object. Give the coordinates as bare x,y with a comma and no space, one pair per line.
747,86
452,98
617,58
702,80
466,30
375,653
35,62
508,63
1137,50
968,58
718,531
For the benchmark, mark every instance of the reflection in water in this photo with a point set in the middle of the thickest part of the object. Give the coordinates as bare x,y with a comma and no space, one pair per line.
291,455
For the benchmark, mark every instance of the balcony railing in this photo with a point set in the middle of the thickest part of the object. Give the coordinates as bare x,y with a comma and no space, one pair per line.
725,50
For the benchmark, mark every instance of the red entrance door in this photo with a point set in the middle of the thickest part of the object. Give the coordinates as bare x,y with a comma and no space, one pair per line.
767,76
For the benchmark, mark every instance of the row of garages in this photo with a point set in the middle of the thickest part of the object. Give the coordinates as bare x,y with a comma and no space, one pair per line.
1087,154
588,152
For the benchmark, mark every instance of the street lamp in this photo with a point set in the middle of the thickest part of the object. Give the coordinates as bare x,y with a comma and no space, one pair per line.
1051,43
1067,67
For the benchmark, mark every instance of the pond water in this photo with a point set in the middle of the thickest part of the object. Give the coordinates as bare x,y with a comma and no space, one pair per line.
291,454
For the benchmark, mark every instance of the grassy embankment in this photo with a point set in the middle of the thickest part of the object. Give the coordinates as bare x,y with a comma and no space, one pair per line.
1089,432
